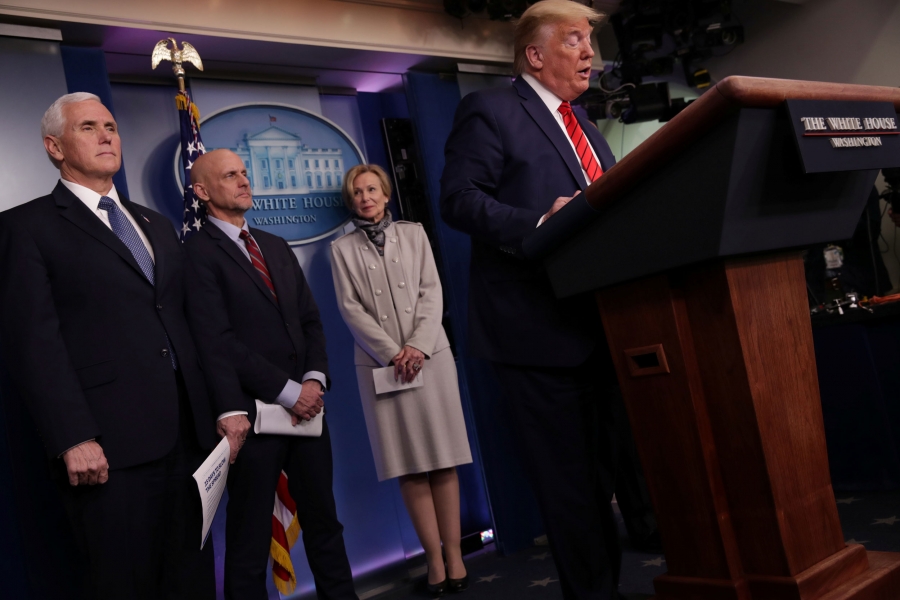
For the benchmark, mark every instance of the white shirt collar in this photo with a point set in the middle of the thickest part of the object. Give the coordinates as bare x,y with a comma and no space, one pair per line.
547,97
232,231
91,198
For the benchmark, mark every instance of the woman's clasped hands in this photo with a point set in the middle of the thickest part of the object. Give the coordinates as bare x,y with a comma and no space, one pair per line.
408,363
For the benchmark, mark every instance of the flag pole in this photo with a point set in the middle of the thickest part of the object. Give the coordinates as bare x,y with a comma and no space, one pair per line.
194,212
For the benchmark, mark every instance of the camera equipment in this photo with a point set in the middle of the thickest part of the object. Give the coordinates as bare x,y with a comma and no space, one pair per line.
891,194
497,10
652,35
632,103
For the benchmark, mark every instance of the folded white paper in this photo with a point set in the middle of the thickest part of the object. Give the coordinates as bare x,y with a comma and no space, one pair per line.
210,479
384,381
276,420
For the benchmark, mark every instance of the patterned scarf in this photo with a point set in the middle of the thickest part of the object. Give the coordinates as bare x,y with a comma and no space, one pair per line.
375,231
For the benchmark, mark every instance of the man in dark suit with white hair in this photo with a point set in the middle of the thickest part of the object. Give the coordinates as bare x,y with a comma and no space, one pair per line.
95,336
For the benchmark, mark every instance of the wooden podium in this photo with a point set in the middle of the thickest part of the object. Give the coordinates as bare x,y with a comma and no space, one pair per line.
686,244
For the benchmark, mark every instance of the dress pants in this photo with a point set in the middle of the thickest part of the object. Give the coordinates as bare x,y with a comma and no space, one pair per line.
252,480
563,423
140,531
632,494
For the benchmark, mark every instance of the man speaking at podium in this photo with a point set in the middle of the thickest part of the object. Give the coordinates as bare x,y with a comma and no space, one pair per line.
97,342
515,156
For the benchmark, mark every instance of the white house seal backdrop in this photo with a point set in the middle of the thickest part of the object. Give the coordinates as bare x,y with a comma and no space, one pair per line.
295,160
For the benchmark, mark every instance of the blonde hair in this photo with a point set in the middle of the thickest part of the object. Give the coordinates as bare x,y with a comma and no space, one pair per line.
352,174
533,25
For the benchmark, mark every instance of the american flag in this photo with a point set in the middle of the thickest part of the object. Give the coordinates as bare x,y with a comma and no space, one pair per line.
285,531
191,147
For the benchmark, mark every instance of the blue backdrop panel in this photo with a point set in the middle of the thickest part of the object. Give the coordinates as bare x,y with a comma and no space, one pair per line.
431,109
372,109
86,72
31,78
432,104
148,124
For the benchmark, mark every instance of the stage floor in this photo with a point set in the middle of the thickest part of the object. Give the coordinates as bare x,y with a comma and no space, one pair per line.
868,518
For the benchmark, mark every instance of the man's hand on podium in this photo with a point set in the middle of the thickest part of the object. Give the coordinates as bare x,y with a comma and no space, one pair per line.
557,204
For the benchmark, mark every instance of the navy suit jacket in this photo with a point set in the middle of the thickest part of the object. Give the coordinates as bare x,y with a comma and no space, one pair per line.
249,343
84,332
507,160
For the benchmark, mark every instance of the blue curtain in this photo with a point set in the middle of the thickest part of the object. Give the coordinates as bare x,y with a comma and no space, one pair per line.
432,103
85,70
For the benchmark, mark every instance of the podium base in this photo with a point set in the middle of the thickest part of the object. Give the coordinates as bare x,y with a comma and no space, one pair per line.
878,579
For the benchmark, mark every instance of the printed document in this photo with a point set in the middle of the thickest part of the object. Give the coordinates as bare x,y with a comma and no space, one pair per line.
210,479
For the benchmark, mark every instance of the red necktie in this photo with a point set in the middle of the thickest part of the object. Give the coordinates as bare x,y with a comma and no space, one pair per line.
258,261
588,162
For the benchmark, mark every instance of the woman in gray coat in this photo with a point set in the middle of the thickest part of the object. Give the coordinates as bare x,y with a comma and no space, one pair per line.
389,294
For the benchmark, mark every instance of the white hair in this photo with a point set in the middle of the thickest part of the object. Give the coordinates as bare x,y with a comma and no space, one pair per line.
54,121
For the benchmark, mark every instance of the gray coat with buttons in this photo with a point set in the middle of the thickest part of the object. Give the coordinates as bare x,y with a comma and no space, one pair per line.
391,302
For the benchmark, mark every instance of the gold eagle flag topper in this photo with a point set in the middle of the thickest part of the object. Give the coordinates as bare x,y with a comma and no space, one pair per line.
187,54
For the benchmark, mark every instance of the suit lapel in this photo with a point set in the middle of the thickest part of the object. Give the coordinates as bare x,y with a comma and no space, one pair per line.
228,246
278,270
535,107
74,210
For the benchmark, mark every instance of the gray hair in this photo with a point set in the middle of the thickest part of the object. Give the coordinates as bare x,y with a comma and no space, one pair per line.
54,121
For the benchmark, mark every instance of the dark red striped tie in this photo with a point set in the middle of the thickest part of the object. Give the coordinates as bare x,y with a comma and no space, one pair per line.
258,261
588,162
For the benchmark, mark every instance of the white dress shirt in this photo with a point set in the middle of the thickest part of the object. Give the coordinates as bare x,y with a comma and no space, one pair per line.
288,396
91,199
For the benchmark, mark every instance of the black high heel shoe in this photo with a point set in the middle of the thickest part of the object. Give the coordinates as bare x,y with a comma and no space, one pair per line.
437,589
458,585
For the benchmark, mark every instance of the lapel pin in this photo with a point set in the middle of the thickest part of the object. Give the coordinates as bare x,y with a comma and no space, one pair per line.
145,218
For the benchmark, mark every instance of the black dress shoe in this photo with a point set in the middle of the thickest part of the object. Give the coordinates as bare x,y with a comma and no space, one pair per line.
458,585
437,589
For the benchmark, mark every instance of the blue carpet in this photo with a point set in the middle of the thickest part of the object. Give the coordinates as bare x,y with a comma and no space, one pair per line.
868,518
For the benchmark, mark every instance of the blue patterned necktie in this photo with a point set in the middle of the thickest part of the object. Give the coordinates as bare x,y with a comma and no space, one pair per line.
126,232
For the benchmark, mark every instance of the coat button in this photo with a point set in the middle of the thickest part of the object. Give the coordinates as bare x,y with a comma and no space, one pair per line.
393,240
408,310
384,317
292,356
372,267
365,247
159,307
401,285
395,260
164,353
377,292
